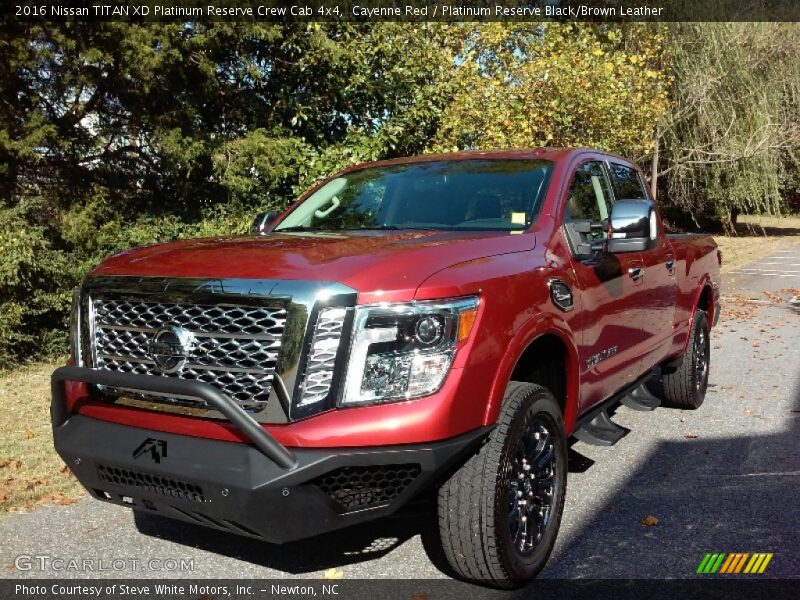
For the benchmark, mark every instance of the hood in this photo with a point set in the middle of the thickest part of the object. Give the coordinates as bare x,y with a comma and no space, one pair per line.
374,261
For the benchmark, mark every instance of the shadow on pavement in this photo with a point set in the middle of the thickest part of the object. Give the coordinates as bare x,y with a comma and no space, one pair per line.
356,544
734,494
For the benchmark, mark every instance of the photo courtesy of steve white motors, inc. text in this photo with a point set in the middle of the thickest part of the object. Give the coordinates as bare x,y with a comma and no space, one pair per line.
194,590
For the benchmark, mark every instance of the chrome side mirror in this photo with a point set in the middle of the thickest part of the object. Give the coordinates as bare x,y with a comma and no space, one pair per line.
261,224
630,226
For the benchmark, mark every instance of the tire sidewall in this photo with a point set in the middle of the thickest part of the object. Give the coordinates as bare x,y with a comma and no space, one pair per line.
539,403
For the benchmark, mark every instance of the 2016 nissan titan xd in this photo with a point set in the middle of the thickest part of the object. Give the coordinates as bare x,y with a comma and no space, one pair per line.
440,322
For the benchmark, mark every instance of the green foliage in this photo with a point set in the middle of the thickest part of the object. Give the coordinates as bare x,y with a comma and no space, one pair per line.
115,135
731,140
35,279
558,84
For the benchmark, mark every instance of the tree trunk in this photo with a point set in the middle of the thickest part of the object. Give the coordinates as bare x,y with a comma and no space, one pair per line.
654,165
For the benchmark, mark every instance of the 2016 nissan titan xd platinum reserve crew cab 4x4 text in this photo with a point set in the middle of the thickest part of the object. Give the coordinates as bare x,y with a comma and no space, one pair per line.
441,322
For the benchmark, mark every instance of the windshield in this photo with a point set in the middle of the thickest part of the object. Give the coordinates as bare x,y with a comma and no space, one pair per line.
484,195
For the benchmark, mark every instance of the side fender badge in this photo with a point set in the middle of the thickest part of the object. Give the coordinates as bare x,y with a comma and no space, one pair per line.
561,294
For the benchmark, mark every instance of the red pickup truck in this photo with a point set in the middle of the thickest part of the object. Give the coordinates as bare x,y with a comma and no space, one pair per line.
441,322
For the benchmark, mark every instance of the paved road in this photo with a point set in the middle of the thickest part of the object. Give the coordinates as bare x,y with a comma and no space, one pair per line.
724,478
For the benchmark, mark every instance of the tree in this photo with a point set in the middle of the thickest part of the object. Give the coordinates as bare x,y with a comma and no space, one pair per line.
558,84
730,141
114,135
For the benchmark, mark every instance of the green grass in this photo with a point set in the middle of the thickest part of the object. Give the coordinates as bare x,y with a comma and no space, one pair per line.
757,237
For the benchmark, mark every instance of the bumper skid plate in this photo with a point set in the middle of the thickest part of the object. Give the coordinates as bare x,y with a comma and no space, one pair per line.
240,487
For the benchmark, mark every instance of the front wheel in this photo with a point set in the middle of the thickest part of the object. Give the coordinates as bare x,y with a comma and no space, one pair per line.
500,512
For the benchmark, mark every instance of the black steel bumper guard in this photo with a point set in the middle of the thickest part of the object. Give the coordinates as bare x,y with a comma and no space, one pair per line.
262,490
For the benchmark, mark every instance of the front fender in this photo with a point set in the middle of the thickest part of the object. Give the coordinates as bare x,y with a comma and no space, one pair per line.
540,325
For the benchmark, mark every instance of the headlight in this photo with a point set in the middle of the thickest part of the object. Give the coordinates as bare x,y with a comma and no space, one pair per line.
75,327
402,351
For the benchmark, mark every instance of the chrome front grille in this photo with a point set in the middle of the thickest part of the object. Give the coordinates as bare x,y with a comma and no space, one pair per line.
234,348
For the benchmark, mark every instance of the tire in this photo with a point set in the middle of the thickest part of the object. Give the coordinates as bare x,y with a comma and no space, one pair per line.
480,508
685,386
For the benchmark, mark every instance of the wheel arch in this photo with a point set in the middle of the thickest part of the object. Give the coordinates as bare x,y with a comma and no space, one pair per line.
703,300
544,352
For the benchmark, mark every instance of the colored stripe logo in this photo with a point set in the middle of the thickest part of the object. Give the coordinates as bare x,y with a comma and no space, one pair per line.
734,563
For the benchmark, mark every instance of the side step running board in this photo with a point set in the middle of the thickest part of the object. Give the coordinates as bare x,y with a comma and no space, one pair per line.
596,427
641,399
600,431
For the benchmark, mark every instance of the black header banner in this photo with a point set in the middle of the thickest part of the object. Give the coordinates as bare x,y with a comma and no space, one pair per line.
404,10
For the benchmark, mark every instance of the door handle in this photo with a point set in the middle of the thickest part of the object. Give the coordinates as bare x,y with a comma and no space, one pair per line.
636,273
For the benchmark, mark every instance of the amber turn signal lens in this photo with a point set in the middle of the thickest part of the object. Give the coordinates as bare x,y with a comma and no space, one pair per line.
466,319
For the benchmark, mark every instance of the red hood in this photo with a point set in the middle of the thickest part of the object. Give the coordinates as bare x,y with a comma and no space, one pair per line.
366,261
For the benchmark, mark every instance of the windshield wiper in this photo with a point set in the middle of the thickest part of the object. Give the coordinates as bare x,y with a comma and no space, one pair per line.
393,228
296,228
374,228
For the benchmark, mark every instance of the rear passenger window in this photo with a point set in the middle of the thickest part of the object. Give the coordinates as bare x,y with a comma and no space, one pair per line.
627,183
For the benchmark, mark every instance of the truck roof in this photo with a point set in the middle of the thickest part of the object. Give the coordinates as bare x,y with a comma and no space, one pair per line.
552,154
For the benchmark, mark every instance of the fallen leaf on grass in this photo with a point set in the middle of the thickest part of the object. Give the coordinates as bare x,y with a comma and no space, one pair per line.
333,573
650,521
29,485
15,465
29,435
56,498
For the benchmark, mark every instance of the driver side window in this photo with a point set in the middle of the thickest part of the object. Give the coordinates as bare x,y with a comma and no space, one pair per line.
588,206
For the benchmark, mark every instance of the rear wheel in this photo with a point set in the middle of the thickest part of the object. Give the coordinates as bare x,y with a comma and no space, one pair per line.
500,512
685,386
